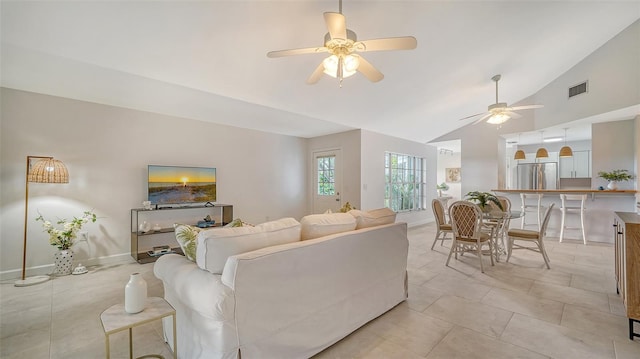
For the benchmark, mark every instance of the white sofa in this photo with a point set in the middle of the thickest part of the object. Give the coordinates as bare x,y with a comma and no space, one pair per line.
285,301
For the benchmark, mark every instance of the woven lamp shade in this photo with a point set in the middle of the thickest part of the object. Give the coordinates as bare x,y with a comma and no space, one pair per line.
542,153
566,152
48,170
519,155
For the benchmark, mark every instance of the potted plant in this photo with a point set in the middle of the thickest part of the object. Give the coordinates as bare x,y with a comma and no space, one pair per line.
614,177
442,187
483,199
63,239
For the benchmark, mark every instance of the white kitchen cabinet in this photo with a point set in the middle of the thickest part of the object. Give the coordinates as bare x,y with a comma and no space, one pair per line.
578,166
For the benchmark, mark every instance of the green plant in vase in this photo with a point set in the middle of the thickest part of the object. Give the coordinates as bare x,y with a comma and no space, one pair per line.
483,199
442,187
614,177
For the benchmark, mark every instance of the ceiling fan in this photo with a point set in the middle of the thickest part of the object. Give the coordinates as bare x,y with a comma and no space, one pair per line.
499,113
342,45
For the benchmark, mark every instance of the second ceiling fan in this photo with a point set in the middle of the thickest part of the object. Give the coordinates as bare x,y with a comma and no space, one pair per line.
499,113
342,45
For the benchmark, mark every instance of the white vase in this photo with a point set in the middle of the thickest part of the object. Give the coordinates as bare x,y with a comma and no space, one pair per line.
613,185
135,294
63,260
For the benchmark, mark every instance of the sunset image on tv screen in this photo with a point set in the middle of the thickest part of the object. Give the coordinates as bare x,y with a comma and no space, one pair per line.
175,185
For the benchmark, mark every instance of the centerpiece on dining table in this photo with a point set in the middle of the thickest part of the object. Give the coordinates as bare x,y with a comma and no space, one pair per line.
483,200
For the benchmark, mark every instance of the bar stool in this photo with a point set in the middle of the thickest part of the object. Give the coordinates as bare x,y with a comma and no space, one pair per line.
566,207
531,208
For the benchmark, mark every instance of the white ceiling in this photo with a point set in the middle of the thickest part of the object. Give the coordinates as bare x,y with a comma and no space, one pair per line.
207,60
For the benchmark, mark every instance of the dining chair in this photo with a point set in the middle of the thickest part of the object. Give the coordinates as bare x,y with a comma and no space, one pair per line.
527,235
466,222
528,207
442,227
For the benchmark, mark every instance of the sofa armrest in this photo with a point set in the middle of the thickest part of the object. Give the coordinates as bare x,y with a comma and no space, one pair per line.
197,289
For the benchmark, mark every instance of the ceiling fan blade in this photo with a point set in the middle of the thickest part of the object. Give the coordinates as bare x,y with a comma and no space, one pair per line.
308,50
316,75
337,25
486,116
477,114
512,114
389,43
526,107
369,71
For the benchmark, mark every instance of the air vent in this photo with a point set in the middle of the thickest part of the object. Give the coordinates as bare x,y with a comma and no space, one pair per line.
578,89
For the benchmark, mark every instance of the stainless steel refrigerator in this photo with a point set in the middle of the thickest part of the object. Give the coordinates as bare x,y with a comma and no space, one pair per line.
537,175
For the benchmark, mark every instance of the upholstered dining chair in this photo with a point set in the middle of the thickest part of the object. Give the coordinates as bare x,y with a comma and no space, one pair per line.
443,228
536,237
466,222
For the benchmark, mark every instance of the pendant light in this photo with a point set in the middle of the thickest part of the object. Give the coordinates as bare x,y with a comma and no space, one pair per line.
519,155
565,151
542,152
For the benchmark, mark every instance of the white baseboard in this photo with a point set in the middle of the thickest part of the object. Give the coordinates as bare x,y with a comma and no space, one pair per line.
48,269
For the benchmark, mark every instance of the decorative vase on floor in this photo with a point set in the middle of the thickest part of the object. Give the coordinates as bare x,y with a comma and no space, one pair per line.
135,294
613,185
63,260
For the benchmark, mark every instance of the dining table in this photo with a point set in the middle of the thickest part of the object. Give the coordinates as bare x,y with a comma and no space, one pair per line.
498,221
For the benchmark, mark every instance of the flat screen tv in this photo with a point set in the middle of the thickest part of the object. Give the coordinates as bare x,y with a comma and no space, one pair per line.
181,185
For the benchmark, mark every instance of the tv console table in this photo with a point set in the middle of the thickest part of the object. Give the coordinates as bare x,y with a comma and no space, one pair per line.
160,223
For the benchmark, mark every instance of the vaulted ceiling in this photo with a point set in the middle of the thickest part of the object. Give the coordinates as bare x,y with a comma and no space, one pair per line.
207,60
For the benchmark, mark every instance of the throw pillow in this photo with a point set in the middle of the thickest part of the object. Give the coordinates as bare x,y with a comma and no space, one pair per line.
320,225
372,218
235,223
186,236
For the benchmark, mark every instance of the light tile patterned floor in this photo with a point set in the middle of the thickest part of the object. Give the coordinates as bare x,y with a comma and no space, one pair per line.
514,310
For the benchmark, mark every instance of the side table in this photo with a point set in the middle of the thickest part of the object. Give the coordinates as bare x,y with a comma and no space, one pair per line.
114,319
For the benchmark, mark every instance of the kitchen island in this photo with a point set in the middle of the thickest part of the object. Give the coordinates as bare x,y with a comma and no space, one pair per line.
599,213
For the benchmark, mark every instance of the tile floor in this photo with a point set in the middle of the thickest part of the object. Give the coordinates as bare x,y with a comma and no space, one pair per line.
513,310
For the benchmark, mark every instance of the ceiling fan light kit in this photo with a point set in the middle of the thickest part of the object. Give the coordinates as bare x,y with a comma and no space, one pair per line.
341,43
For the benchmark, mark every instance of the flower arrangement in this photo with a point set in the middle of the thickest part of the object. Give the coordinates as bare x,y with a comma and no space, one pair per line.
483,199
346,208
63,238
616,175
443,186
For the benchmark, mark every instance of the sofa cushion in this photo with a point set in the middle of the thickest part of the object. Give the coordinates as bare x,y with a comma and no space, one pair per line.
186,236
216,245
373,218
320,225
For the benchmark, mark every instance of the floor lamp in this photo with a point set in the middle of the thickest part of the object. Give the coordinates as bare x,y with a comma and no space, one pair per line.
45,170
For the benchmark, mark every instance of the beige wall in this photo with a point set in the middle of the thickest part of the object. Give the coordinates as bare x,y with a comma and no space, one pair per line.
107,150
613,147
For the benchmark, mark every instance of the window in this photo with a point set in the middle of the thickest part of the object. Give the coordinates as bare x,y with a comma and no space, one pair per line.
405,179
326,175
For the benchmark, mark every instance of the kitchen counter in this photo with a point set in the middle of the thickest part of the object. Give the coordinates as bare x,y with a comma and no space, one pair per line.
599,212
625,191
